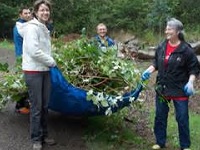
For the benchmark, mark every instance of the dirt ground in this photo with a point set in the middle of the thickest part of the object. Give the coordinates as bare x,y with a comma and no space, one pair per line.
14,127
69,132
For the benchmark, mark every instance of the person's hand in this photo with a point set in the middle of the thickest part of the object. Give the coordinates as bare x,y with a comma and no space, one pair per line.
53,64
145,75
189,89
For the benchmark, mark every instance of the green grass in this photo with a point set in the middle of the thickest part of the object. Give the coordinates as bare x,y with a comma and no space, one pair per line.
195,130
6,44
111,133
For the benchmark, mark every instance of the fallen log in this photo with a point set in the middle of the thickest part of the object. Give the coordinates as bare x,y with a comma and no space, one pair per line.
196,47
131,49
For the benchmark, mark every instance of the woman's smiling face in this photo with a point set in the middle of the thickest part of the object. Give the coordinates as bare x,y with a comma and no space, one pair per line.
43,13
171,33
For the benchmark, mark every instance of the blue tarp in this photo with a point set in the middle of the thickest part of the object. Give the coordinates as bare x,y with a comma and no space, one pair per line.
71,100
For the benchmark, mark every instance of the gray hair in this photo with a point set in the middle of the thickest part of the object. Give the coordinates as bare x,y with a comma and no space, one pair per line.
178,25
175,23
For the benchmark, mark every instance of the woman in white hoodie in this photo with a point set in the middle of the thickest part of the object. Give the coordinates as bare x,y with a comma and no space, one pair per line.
36,63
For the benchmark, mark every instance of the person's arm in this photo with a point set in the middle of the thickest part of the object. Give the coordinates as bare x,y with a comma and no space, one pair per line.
147,73
110,41
17,42
151,69
193,67
192,78
189,87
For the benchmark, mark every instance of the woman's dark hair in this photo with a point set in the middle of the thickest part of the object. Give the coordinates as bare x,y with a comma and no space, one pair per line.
181,36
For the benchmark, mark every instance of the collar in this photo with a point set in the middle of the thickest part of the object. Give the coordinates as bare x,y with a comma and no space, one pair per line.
21,20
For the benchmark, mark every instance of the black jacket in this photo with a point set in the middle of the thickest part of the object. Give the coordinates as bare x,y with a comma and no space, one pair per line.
181,64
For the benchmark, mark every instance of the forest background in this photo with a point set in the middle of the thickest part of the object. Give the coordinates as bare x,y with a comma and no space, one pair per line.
141,17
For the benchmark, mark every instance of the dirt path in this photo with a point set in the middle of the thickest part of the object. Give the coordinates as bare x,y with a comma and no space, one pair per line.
14,128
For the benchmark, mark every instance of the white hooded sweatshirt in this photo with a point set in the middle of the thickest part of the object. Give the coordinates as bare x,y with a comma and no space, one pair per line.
36,46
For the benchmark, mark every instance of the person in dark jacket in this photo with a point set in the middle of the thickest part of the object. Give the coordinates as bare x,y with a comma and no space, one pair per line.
102,39
177,68
22,105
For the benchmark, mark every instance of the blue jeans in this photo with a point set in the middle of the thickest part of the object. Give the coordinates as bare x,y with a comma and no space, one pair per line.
182,118
39,88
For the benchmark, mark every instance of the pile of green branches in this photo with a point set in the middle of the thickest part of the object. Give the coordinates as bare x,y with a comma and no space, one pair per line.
86,66
12,85
83,65
100,72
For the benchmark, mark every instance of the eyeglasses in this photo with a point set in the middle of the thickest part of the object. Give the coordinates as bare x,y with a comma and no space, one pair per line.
43,10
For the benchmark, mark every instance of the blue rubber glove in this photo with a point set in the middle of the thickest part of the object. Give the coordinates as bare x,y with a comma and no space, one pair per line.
189,89
145,75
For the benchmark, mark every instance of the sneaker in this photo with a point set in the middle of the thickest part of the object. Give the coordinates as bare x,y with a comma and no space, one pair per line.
37,146
23,110
156,146
49,141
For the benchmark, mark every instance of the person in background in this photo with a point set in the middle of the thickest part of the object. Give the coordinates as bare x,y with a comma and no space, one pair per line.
103,41
24,16
36,64
177,67
22,105
50,26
